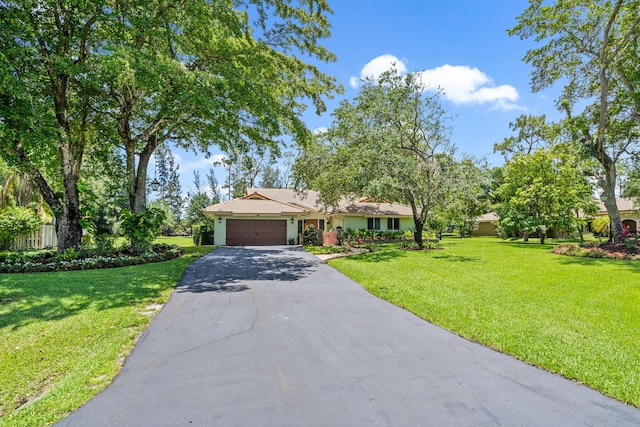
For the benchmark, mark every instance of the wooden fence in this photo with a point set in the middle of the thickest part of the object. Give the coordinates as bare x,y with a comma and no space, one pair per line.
43,238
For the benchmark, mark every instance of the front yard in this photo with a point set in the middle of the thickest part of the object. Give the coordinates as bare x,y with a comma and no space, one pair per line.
579,317
64,335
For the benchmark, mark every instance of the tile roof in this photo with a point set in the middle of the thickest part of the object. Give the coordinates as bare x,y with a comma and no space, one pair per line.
254,206
286,201
304,198
374,209
624,204
490,216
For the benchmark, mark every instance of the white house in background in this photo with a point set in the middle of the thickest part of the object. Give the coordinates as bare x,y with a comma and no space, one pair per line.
277,216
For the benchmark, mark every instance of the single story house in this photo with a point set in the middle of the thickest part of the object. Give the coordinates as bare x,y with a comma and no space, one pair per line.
629,212
277,216
487,225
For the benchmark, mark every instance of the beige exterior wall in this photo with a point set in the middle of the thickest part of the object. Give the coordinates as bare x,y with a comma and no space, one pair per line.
485,229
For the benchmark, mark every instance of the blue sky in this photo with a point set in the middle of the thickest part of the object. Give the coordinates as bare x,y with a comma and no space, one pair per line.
459,45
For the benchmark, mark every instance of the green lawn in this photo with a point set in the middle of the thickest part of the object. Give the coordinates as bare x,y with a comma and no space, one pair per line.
579,317
64,336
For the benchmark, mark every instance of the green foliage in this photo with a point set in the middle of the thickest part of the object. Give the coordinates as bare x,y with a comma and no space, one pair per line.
542,190
311,236
203,234
592,48
141,228
364,234
137,74
601,225
16,221
533,133
69,260
390,143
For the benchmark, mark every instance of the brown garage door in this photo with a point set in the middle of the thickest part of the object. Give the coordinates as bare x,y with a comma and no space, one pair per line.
256,232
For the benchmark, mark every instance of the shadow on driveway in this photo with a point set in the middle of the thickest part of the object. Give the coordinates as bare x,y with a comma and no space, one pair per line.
228,269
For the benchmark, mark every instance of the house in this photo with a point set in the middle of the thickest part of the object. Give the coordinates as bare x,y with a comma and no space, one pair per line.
487,225
628,208
277,216
629,212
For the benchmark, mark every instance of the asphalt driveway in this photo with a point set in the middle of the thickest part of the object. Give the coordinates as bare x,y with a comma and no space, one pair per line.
273,337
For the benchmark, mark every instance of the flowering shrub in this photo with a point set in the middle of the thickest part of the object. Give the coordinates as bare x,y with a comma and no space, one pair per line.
50,261
592,251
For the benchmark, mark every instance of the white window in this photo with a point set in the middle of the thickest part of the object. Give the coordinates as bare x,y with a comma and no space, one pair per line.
393,224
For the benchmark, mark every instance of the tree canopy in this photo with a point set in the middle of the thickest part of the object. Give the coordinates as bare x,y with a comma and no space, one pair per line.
593,48
131,74
390,144
543,190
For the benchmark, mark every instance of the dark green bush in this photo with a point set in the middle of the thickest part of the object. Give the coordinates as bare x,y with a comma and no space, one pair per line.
203,234
311,236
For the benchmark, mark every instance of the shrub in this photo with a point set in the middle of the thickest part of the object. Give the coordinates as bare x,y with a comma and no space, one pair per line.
141,228
631,244
47,261
203,234
311,236
16,222
408,246
601,225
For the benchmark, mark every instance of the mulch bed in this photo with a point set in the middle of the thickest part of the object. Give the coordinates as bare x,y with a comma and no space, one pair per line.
618,248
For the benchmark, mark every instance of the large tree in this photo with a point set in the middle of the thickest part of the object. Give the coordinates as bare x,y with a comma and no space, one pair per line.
200,72
47,91
593,47
390,144
79,73
543,190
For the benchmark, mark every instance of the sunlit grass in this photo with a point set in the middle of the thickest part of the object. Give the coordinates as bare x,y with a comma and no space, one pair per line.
578,317
63,336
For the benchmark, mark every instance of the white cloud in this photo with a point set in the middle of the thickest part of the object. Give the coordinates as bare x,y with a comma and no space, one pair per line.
377,66
319,130
198,163
465,85
461,84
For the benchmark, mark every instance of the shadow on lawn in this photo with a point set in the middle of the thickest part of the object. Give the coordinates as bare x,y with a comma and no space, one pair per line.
457,258
633,266
380,256
532,244
27,298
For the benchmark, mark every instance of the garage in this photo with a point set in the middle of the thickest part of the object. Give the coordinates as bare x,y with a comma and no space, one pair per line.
256,232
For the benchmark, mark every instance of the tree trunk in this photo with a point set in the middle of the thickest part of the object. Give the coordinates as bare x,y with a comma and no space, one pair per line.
68,227
608,196
543,235
418,220
525,238
608,182
417,236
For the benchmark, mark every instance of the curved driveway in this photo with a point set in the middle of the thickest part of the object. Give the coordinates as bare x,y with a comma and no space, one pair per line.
273,337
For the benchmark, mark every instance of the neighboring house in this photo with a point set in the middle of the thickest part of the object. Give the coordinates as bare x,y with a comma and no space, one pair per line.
487,225
277,216
629,213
